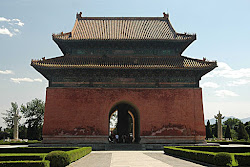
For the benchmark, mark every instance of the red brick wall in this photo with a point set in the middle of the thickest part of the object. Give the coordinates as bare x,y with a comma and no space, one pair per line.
85,111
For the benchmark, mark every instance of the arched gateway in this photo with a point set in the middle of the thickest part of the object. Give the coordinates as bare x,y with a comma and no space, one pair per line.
127,126
109,61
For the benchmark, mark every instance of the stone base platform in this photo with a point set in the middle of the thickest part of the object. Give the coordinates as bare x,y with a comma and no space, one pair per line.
102,139
107,147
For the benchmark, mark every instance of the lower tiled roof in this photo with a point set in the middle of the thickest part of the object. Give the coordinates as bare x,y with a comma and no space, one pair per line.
179,62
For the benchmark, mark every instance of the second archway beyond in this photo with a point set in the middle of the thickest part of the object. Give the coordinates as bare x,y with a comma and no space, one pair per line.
124,124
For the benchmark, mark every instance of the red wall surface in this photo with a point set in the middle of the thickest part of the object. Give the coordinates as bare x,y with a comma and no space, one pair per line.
166,115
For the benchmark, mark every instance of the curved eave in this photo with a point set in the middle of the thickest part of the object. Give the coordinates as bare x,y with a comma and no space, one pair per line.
48,70
62,43
123,67
40,70
69,39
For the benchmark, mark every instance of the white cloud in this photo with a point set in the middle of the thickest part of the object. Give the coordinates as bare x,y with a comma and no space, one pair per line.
19,80
13,21
210,85
6,72
239,82
18,22
38,80
9,26
224,93
4,19
224,70
5,31
224,66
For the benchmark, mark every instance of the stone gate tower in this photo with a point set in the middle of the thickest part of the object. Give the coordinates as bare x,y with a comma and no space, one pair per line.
132,65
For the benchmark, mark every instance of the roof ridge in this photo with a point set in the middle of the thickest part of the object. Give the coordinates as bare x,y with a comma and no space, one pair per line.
79,17
122,18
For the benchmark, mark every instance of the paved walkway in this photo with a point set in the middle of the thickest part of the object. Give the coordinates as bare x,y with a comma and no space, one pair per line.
12,146
235,145
131,159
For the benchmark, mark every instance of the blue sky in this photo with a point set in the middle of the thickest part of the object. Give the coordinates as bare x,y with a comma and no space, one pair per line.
222,28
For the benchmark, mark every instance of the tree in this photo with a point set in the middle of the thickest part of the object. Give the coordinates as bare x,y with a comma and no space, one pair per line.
9,132
3,134
33,111
242,133
113,119
22,132
209,130
247,123
9,115
224,128
228,132
234,134
232,122
215,129
248,129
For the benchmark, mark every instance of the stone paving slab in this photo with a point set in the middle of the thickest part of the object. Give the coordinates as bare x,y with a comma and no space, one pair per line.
134,159
94,159
173,161
131,159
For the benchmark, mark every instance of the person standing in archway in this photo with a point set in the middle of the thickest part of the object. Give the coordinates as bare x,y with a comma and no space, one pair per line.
116,138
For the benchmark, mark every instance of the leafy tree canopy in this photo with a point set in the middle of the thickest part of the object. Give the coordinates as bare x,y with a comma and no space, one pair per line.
242,133
248,129
247,123
33,111
232,122
9,115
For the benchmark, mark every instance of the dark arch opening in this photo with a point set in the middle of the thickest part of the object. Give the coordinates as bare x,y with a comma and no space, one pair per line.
128,123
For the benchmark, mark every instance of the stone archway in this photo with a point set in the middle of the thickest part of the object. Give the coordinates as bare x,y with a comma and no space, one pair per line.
128,123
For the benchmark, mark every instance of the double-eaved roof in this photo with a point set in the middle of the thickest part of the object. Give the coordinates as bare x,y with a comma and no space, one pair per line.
123,28
128,29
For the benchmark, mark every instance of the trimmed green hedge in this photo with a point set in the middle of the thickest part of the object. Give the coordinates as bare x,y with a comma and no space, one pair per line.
21,157
243,159
218,149
35,149
223,159
62,158
207,157
230,142
215,158
58,158
78,153
24,164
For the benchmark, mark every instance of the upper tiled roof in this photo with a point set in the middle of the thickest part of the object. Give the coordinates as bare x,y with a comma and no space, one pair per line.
179,62
123,28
